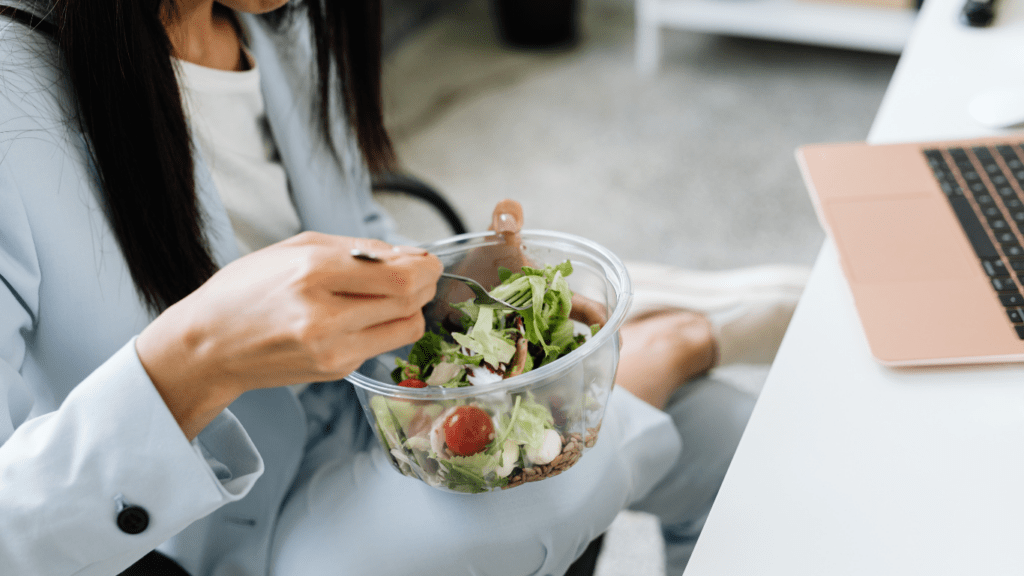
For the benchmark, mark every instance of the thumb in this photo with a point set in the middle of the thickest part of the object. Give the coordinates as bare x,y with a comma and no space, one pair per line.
507,218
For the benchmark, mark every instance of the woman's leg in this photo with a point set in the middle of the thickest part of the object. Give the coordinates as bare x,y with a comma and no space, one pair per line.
662,352
710,415
665,361
667,358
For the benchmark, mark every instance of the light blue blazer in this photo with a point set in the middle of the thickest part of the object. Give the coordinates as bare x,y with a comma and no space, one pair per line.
83,433
81,425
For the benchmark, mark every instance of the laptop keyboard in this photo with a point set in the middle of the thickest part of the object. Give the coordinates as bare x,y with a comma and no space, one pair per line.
983,185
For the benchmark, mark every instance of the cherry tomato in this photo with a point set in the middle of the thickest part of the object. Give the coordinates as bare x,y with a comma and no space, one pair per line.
468,430
413,383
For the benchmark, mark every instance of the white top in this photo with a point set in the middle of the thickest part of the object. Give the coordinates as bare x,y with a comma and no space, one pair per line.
851,468
225,110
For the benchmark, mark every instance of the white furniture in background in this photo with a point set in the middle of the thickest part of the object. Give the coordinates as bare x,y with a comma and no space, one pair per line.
847,467
805,21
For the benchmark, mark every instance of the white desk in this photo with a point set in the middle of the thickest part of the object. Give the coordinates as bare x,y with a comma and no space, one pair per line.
848,467
838,24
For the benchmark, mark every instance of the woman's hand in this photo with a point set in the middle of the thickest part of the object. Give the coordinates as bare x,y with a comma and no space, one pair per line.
301,310
482,263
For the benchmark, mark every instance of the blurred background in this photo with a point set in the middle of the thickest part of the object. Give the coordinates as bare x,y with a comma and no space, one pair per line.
692,165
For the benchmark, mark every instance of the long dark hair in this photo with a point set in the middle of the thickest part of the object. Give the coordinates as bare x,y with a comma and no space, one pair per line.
118,60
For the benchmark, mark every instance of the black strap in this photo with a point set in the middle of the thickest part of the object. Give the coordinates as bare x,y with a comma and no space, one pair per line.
155,564
28,19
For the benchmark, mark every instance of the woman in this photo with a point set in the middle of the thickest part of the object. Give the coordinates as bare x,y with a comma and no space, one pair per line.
142,297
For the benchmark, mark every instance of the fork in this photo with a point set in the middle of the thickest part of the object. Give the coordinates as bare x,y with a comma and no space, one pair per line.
483,298
522,302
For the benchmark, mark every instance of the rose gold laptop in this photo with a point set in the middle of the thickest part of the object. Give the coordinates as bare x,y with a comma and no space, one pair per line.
930,238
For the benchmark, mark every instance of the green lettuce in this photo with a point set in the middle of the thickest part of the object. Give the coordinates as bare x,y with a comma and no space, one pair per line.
490,333
494,345
388,428
547,322
472,474
525,425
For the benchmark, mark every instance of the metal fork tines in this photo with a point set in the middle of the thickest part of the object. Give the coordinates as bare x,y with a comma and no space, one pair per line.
522,302
483,298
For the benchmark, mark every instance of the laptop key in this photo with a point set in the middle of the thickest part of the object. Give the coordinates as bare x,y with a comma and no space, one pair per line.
1013,250
1006,238
1011,299
994,267
1009,154
1016,315
1020,330
1004,284
976,234
1017,265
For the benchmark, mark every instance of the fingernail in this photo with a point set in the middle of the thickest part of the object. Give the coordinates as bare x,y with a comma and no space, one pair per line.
411,250
505,222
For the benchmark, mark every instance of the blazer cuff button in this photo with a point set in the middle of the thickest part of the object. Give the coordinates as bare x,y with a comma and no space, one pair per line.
132,519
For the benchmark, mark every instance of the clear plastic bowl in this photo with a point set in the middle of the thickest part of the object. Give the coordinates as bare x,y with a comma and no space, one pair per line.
574,388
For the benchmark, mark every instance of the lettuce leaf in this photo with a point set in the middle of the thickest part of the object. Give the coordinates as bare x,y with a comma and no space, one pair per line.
495,347
388,427
546,323
525,424
490,334
425,353
472,474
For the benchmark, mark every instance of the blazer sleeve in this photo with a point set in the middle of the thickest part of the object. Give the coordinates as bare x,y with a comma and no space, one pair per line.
93,485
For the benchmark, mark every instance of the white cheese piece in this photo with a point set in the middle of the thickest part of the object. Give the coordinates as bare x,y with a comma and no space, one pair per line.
549,448
509,457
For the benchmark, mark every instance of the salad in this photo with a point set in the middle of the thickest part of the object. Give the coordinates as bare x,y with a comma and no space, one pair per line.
494,440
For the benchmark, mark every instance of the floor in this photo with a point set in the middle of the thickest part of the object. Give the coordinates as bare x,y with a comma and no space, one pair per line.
692,167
